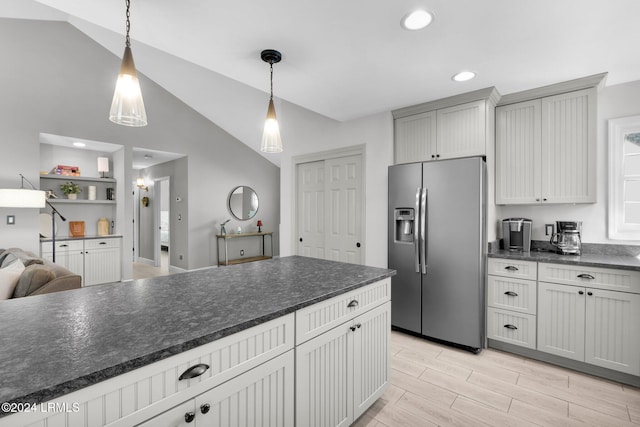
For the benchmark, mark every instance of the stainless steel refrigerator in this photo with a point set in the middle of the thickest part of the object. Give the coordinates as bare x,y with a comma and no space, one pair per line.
437,246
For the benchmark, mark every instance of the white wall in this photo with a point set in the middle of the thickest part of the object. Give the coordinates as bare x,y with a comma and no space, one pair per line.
613,101
306,133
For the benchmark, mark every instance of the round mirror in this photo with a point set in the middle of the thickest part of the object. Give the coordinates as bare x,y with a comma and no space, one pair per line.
243,202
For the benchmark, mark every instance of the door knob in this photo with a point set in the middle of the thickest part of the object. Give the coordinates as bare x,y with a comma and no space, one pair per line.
358,245
301,239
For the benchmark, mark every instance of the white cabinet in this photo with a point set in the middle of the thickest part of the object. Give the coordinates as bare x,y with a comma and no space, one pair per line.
101,261
588,323
262,396
415,138
96,260
340,373
458,126
69,254
461,130
546,150
512,301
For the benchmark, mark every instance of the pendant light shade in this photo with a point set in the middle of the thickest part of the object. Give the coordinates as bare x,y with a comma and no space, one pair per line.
127,107
271,141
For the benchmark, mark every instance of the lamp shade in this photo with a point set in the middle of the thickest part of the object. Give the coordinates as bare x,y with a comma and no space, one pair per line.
271,141
22,198
103,164
127,107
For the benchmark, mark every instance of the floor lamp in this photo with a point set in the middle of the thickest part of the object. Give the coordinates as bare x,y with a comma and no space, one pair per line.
34,198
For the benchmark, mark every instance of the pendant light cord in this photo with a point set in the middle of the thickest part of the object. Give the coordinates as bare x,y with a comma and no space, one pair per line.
127,41
271,65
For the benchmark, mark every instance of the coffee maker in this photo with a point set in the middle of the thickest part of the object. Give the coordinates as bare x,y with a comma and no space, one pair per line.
567,237
516,234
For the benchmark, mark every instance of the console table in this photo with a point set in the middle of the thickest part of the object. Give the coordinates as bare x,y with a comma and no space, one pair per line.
226,237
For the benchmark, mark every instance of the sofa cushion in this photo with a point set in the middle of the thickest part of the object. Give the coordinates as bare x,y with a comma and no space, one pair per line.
27,258
33,278
9,277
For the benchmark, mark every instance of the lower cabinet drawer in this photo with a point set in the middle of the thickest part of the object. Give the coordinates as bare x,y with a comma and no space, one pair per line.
512,327
512,294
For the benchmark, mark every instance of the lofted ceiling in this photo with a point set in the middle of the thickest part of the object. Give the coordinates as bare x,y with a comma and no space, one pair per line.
346,59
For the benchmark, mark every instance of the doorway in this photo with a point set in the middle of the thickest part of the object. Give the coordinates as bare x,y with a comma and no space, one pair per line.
329,203
163,230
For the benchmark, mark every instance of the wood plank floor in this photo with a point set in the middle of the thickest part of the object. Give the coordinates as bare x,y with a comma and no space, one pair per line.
436,385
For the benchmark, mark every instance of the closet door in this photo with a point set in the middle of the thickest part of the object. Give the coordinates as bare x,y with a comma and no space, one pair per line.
311,208
329,209
344,209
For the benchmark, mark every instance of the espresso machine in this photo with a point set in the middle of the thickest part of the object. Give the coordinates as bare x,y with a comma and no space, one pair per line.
516,234
567,237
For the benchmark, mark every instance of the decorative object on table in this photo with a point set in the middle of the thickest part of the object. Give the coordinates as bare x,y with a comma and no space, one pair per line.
66,170
111,193
127,107
259,224
49,194
271,141
239,230
91,192
140,184
145,201
71,189
103,227
46,229
103,166
223,231
76,228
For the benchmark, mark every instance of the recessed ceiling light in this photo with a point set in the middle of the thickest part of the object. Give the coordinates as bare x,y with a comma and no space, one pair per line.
79,144
463,76
416,20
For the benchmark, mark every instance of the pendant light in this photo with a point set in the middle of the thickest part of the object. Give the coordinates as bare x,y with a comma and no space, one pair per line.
127,107
271,141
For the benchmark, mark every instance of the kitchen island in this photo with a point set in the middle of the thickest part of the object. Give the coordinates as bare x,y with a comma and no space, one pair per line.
112,354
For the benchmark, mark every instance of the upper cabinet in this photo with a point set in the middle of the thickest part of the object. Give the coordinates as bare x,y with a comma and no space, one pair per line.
458,126
546,145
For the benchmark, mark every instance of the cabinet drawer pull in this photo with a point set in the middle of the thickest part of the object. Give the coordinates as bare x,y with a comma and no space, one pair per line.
511,294
586,276
102,243
589,293
580,292
511,268
64,246
358,325
510,326
189,417
353,328
194,371
204,408
353,303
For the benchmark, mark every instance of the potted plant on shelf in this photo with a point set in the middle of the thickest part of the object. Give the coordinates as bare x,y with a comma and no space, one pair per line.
71,189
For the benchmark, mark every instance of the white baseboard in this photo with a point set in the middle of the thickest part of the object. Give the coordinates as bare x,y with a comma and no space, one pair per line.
174,269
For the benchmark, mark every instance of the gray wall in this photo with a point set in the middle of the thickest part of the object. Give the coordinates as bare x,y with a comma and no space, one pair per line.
61,82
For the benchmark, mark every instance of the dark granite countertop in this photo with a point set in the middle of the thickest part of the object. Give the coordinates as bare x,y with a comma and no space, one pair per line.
624,262
57,343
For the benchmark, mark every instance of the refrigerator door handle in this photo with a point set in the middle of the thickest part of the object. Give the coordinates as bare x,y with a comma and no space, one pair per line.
416,228
423,230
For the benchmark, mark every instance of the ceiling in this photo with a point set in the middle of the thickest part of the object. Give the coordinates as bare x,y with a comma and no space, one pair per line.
346,59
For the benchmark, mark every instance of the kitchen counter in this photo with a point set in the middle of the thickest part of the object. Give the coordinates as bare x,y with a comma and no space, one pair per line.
624,262
58,343
87,237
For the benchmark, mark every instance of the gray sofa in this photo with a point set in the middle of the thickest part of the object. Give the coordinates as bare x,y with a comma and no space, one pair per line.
40,276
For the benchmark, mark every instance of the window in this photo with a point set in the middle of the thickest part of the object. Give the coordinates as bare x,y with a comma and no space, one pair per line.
624,178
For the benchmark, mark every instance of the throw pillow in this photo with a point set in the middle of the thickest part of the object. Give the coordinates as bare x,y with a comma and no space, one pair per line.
9,277
32,279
